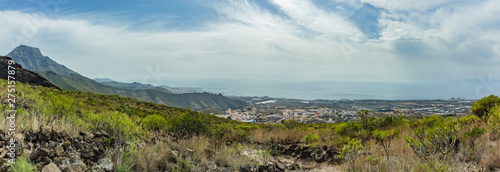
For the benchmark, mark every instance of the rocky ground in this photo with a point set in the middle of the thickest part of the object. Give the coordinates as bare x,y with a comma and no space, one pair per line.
54,151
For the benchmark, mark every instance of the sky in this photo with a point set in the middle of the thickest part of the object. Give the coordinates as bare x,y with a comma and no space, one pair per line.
268,42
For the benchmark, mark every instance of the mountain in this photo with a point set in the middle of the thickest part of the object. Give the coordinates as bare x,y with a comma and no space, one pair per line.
104,80
32,59
22,75
67,79
133,86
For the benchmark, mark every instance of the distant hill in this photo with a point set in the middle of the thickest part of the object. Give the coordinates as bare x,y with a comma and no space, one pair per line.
67,79
22,75
32,59
104,80
134,86
139,86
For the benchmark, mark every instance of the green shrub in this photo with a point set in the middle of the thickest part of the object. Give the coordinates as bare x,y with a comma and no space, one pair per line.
482,107
346,128
494,119
311,138
190,123
350,152
292,124
468,120
115,123
154,122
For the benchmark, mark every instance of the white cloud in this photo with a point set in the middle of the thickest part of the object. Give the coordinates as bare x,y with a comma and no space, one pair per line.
405,5
255,43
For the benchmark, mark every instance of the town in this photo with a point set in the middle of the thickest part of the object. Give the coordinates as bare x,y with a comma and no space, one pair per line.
271,110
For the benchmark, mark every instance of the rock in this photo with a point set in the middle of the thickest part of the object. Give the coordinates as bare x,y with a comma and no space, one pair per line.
86,134
320,157
51,167
4,152
281,166
43,152
270,166
293,167
59,150
105,164
34,155
305,153
261,168
27,152
245,168
44,133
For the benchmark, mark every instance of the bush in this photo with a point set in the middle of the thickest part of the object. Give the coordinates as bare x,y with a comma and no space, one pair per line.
468,120
154,122
482,107
292,124
190,123
434,145
347,128
494,119
115,123
350,152
311,138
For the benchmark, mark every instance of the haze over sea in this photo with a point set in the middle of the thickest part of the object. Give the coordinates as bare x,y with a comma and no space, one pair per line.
466,89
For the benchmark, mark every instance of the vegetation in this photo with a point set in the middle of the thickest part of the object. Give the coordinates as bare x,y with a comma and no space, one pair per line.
433,143
482,107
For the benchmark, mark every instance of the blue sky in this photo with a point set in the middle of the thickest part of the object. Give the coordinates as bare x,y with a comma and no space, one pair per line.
159,41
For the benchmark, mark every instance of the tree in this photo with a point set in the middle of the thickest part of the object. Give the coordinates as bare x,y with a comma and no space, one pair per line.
431,142
482,107
364,116
350,152
384,138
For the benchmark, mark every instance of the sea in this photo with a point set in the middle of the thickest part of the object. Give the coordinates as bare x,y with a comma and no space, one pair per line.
465,89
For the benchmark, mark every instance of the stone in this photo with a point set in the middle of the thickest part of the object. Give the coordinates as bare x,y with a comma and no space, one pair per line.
86,134
51,167
34,155
305,153
261,168
27,152
245,168
4,152
43,152
59,150
105,164
320,157
281,166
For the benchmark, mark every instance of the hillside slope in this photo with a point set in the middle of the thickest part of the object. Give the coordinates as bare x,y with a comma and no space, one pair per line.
22,75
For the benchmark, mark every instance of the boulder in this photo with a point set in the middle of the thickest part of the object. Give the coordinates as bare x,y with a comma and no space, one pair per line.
51,167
